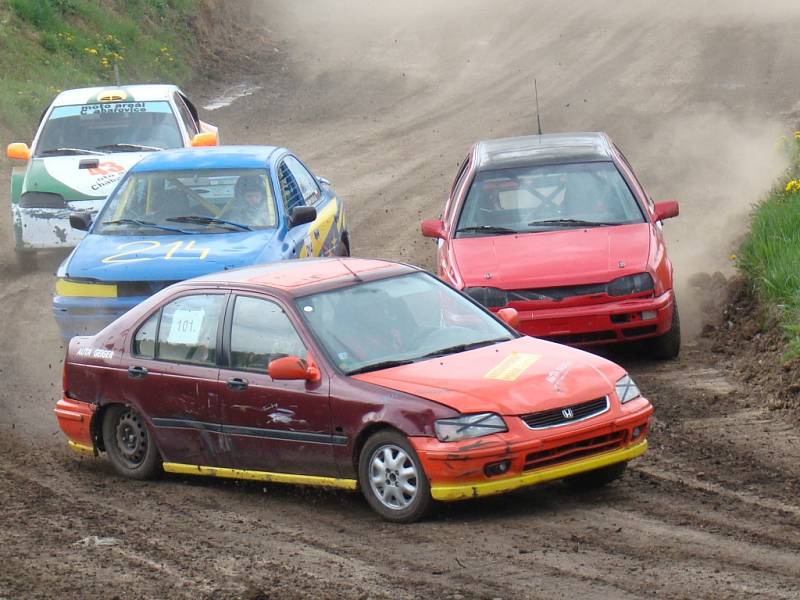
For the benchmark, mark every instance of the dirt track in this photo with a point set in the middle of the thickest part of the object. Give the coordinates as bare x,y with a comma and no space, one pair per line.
385,106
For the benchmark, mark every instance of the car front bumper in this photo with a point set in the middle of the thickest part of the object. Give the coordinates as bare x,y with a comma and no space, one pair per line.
458,470
605,323
81,315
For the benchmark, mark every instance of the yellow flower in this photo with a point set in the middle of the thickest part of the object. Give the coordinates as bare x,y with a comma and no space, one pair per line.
732,257
793,186
797,135
164,49
90,50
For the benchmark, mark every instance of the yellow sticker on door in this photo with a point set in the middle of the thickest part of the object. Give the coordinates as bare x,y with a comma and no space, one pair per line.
512,366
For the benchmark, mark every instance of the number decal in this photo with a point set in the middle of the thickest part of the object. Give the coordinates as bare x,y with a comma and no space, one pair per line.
135,249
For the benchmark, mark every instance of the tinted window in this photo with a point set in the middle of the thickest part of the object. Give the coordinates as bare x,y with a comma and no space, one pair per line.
546,197
144,343
305,180
115,127
188,331
260,333
292,196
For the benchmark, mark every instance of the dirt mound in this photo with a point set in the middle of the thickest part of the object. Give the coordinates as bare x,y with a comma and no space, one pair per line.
750,342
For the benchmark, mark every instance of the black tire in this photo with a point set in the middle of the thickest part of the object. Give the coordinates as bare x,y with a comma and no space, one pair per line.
591,480
128,443
408,507
26,260
668,345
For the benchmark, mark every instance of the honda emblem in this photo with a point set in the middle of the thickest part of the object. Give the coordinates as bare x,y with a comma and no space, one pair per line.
567,412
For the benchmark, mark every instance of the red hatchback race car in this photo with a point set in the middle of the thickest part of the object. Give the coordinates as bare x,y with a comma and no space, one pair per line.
346,373
558,227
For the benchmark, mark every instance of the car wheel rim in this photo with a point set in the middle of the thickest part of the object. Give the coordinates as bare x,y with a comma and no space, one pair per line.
131,438
393,477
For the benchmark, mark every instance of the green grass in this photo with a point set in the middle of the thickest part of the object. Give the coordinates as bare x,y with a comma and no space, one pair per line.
770,254
50,45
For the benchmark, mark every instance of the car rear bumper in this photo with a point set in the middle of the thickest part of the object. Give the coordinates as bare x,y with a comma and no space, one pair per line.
605,323
75,420
78,315
460,470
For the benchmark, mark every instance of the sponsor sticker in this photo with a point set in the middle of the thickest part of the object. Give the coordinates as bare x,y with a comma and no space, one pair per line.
96,353
512,366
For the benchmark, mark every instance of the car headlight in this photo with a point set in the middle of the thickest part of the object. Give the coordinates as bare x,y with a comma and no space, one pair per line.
626,389
631,284
490,297
469,426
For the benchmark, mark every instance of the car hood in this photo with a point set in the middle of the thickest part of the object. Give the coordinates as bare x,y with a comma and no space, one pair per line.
61,175
553,258
167,257
512,378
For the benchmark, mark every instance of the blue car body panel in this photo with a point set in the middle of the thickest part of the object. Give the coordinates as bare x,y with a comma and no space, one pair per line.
137,266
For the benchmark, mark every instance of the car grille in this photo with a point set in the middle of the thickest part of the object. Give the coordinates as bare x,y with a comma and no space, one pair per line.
556,294
581,338
575,450
128,289
556,416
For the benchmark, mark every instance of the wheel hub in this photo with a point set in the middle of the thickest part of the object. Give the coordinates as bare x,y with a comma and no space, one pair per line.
393,477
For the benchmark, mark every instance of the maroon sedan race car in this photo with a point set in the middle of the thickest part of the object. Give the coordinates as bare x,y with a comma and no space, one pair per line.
347,373
558,227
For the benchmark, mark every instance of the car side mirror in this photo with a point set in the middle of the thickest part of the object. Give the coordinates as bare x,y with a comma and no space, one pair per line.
80,221
666,210
292,367
206,138
323,181
509,316
18,151
301,215
433,228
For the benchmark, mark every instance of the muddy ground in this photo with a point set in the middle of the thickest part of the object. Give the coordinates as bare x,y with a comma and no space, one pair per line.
384,99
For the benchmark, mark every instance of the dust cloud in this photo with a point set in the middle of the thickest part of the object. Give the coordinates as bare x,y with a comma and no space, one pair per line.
696,94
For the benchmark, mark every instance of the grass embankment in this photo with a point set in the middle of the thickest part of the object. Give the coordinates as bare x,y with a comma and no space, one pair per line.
50,45
770,254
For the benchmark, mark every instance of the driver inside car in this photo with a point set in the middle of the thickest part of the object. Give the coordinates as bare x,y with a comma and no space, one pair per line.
249,205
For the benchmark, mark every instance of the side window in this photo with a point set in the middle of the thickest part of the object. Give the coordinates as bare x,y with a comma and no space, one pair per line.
144,343
457,182
292,196
260,333
186,115
305,180
188,331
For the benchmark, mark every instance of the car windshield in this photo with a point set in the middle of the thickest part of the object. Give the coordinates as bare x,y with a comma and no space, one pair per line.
202,201
546,198
398,320
109,127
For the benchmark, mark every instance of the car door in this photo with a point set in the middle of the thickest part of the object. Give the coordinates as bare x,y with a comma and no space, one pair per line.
173,378
269,425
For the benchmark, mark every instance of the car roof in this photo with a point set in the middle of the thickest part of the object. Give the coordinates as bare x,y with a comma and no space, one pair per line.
115,93
212,157
301,277
550,148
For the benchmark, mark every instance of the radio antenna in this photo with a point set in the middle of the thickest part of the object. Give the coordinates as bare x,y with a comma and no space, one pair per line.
536,93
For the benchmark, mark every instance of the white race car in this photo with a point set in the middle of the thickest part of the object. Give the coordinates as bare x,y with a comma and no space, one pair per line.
87,139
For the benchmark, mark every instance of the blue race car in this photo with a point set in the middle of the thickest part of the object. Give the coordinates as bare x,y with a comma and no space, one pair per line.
182,213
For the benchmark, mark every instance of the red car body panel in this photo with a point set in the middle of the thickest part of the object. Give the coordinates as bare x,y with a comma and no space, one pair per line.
316,428
554,259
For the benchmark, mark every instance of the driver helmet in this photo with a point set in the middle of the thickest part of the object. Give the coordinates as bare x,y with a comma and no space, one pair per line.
250,188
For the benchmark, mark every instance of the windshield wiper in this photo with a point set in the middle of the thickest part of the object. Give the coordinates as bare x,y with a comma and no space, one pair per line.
462,348
568,222
71,151
208,221
128,147
486,229
145,224
386,364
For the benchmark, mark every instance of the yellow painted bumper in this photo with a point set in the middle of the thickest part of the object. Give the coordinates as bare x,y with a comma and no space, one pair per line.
346,484
80,448
64,287
450,492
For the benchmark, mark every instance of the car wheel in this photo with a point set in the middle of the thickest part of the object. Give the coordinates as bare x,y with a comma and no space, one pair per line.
26,260
667,346
598,478
129,445
392,479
